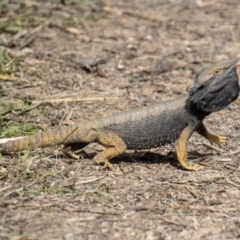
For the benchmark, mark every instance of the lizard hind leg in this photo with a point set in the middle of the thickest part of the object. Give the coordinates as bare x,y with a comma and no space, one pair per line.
114,147
75,150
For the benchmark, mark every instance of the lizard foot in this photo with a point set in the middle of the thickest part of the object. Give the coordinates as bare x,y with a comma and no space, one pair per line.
75,155
192,167
217,139
105,162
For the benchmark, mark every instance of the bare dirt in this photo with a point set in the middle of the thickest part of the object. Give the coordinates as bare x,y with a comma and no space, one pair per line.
106,57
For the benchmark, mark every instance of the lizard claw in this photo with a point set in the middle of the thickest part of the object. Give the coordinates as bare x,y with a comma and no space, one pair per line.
217,139
105,162
222,139
107,165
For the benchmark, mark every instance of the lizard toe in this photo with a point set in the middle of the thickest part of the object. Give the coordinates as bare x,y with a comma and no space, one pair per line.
197,167
222,139
192,167
107,165
217,139
105,162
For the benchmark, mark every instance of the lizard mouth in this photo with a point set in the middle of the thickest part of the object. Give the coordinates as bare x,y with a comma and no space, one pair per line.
216,93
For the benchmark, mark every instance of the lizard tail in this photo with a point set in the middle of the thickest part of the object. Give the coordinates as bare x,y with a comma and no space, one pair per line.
55,136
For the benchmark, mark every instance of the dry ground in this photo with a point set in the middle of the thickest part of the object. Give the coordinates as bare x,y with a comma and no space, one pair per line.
104,57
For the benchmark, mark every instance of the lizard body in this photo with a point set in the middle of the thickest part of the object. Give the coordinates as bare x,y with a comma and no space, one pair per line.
215,87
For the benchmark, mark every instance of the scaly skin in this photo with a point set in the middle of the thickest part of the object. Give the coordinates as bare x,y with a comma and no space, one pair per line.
215,87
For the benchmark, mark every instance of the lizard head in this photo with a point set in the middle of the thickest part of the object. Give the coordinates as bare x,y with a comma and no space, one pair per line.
215,87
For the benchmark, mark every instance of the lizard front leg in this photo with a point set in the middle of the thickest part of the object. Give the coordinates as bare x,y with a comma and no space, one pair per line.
114,147
202,130
181,149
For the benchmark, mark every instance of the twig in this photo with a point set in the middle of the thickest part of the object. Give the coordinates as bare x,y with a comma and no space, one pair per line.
12,78
193,193
15,190
5,188
89,77
234,184
234,153
171,222
213,147
59,100
29,38
220,208
62,142
225,160
90,180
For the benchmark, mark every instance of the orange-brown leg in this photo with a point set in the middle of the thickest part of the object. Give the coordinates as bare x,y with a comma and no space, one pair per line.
202,130
113,143
181,150
114,147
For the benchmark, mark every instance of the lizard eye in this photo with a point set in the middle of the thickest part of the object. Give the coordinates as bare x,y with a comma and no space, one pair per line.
216,71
